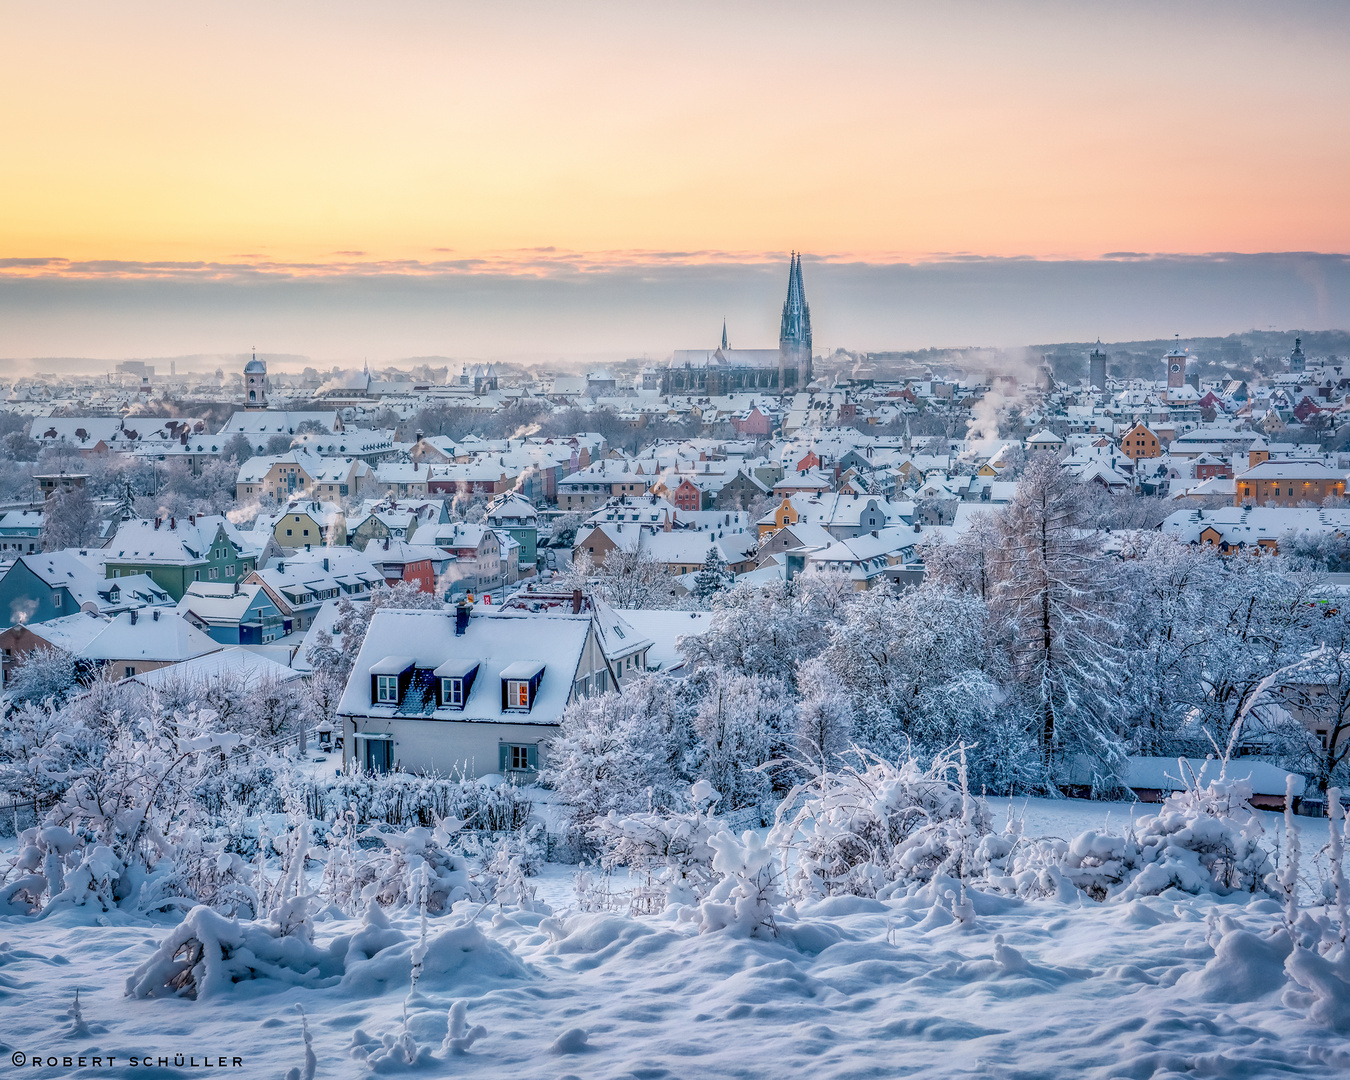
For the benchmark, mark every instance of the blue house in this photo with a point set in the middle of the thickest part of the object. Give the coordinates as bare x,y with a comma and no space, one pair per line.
52,584
232,614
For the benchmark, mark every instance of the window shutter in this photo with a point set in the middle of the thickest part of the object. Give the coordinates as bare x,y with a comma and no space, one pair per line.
532,757
374,689
503,757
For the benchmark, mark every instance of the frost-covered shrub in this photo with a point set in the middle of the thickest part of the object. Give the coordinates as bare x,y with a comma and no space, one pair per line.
865,831
1202,840
207,953
393,877
404,800
674,848
746,896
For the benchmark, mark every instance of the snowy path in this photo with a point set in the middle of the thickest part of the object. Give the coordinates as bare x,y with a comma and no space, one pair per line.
1088,992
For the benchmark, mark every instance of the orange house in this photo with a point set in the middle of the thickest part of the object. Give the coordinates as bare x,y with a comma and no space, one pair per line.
1289,483
783,516
1140,442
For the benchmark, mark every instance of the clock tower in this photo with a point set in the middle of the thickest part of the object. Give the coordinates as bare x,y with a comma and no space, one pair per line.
1176,368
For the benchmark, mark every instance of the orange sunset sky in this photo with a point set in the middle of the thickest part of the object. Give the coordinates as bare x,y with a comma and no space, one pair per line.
423,138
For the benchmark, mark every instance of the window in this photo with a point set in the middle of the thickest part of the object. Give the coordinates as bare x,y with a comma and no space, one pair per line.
129,671
56,599
520,757
213,573
229,570
518,694
288,532
386,688
452,692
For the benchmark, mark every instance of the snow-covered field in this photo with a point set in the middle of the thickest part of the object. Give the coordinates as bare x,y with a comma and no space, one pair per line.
850,987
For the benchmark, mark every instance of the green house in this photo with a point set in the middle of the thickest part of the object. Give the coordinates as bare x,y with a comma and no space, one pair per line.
175,552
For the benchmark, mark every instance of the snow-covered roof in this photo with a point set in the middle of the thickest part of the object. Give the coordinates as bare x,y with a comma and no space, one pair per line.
501,644
160,636
70,633
251,666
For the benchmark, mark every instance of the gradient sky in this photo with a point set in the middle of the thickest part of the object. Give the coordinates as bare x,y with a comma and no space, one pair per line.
262,145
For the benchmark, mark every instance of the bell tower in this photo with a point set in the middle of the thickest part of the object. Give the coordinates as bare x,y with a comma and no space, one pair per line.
255,383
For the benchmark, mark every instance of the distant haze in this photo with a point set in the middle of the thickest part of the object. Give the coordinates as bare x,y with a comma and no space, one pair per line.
572,315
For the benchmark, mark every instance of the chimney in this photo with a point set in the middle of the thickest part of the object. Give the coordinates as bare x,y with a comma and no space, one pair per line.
576,601
133,616
462,611
281,566
156,523
154,615
173,523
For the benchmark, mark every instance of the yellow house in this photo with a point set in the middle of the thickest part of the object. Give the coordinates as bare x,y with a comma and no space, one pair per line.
311,524
783,516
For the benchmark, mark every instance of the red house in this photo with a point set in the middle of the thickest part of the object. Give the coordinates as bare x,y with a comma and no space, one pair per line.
687,496
1305,409
753,423
399,561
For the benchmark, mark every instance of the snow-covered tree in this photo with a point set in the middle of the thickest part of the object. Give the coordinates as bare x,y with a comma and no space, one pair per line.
824,728
69,520
632,579
743,723
766,630
619,751
920,668
44,674
1062,615
712,577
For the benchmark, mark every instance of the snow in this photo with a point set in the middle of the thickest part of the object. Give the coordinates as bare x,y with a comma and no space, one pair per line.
848,986
857,988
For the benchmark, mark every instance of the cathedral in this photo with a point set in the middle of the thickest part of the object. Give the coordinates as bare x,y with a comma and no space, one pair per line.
725,370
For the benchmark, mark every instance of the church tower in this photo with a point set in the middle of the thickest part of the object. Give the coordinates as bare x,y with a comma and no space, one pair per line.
794,337
255,384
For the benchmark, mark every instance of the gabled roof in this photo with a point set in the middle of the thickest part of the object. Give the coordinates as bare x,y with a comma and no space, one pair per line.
499,643
70,633
167,638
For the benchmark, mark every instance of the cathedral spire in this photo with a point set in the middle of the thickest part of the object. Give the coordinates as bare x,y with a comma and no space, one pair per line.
724,333
794,336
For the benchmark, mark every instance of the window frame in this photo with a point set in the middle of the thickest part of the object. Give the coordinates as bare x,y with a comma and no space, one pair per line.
383,684
452,692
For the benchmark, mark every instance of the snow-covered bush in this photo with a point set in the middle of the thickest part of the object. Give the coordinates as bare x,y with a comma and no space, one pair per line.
674,848
207,953
403,800
747,895
1203,839
866,831
394,876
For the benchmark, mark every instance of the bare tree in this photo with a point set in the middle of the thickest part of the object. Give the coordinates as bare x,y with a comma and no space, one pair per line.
1060,613
632,579
69,520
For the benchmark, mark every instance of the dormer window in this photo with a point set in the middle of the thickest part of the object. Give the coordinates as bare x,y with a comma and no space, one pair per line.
520,685
386,689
